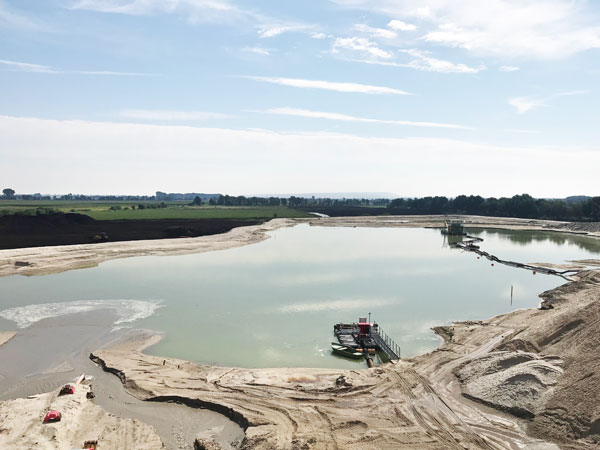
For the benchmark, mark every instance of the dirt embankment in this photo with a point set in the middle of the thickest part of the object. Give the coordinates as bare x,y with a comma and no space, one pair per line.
20,231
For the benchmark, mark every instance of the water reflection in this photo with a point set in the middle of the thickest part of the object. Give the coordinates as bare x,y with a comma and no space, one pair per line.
529,237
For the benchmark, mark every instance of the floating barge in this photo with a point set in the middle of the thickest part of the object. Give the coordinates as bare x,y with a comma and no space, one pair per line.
454,228
367,338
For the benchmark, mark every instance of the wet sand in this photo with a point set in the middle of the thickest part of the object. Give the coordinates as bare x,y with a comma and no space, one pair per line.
53,352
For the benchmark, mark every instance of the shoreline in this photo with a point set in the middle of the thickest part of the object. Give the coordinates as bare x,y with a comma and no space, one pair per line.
56,259
429,398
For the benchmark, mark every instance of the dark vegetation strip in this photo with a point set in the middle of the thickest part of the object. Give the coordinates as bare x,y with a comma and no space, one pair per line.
19,231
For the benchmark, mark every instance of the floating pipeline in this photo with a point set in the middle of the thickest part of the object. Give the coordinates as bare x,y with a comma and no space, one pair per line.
470,245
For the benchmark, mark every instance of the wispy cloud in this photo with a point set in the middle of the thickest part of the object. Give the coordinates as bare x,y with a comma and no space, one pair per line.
272,30
287,111
39,68
197,11
258,50
375,32
424,61
528,103
170,115
361,46
508,68
401,26
330,85
194,10
27,67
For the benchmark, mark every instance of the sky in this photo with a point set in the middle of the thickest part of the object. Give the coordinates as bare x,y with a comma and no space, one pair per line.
410,97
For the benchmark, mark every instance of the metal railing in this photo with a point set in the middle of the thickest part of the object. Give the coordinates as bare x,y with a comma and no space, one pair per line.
395,348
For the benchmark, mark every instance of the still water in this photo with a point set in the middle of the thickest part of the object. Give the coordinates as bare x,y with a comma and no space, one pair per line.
274,303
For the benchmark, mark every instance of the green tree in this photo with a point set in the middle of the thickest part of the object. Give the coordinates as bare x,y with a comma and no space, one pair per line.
8,193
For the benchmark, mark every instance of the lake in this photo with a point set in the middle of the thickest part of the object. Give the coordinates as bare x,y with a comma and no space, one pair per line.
275,303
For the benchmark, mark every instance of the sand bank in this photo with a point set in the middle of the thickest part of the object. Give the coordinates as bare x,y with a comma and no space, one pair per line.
43,260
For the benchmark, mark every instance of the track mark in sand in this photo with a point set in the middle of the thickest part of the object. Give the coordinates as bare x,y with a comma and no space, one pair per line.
326,418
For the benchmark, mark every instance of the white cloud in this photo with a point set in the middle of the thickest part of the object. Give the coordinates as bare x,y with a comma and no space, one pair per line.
430,64
375,32
258,50
524,29
425,63
528,103
39,68
169,115
330,85
134,158
318,35
272,30
147,7
27,67
508,68
362,46
401,26
525,104
287,111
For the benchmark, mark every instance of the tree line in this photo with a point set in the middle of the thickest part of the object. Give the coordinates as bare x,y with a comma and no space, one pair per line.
523,206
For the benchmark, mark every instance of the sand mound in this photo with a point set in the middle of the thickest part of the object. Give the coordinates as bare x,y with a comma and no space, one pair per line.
513,382
22,427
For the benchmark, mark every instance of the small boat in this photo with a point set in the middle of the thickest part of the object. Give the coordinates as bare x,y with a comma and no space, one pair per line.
346,351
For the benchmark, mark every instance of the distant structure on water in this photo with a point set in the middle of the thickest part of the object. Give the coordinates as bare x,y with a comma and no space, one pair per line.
454,228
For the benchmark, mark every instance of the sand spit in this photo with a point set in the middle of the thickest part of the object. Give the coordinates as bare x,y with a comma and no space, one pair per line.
22,427
44,260
538,370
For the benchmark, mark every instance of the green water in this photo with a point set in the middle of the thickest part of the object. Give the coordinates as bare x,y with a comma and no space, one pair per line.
275,303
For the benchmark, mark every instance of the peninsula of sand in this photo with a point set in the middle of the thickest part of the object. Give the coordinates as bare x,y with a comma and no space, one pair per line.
527,379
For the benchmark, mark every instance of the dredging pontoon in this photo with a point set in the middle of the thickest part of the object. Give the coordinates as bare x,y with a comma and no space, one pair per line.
364,338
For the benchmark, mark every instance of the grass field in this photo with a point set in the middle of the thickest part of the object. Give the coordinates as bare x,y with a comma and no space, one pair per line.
174,210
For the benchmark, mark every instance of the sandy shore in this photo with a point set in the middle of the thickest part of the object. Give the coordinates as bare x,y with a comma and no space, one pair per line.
528,379
44,260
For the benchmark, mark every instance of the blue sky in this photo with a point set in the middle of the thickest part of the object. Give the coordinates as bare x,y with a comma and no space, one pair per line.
410,97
